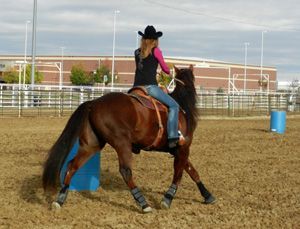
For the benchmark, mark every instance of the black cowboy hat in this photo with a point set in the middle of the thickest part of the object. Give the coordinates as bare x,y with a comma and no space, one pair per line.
150,33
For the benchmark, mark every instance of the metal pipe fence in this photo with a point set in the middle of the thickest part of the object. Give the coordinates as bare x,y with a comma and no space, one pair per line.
20,101
252,104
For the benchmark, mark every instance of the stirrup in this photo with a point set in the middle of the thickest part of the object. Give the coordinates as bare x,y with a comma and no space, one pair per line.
177,141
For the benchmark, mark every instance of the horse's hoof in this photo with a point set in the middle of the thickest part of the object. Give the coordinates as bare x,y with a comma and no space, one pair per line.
55,206
147,210
164,205
210,200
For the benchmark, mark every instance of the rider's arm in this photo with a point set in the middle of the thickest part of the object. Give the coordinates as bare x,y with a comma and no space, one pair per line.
158,55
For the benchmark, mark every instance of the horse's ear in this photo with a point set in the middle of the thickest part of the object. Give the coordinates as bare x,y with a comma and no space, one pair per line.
176,69
191,67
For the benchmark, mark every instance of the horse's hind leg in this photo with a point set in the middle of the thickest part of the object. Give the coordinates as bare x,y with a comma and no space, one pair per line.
125,168
87,148
208,197
79,160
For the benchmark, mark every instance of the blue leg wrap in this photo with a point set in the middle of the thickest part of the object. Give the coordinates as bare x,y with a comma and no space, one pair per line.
138,196
168,197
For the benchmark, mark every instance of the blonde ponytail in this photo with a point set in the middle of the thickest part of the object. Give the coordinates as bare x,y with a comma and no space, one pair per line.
147,45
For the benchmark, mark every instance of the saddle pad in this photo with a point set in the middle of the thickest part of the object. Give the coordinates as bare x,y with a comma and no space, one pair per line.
146,102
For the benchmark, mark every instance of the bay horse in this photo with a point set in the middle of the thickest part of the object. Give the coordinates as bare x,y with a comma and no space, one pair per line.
124,123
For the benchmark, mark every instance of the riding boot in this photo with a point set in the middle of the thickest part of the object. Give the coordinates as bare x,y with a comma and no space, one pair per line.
173,142
180,140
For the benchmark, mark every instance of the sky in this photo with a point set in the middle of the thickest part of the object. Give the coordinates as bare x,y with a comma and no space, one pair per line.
214,29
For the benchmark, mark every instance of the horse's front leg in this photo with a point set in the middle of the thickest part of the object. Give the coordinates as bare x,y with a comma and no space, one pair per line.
208,197
180,161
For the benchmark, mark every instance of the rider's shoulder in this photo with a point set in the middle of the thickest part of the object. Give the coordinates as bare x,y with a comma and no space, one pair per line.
137,51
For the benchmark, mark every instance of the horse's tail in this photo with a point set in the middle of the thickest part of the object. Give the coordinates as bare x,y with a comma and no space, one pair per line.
60,150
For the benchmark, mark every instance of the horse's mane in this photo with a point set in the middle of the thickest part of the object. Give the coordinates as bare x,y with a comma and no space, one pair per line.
186,96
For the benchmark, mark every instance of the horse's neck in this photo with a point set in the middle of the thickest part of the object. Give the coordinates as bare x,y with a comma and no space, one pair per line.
177,96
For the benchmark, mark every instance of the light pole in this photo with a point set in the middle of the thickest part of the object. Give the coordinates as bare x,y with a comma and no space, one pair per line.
245,67
262,56
33,43
61,75
113,55
25,52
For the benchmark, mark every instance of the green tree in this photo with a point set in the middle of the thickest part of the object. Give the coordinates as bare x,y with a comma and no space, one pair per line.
12,76
80,77
103,75
38,76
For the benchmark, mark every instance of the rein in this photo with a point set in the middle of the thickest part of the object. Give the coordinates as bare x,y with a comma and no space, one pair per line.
179,81
173,81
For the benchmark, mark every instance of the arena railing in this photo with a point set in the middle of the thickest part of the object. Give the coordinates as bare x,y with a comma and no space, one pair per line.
50,100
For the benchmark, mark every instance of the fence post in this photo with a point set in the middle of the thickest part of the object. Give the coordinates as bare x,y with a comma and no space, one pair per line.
20,102
81,96
62,102
287,103
1,91
228,105
233,105
269,104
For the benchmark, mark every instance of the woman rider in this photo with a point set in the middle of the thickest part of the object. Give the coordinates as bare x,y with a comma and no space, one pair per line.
147,58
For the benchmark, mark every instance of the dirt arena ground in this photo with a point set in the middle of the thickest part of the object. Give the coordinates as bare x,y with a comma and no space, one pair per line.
254,174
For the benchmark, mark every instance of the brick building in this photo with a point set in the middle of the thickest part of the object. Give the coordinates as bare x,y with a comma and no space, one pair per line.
210,74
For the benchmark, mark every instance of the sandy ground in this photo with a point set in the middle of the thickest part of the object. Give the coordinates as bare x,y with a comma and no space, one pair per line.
254,174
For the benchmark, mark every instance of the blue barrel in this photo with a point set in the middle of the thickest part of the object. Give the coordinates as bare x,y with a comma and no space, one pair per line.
87,177
278,121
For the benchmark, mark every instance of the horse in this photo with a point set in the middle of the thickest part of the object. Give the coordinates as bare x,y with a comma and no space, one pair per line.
124,123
